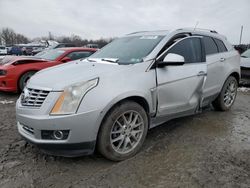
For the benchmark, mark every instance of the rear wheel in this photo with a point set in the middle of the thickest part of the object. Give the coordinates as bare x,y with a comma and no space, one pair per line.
123,131
24,79
227,95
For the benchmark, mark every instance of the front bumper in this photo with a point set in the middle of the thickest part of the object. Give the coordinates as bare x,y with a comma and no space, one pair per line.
83,130
7,84
65,150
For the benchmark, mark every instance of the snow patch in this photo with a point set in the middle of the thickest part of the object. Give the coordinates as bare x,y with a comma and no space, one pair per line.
6,102
243,89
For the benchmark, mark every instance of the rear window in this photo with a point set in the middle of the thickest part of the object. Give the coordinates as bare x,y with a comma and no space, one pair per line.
210,46
2,48
220,45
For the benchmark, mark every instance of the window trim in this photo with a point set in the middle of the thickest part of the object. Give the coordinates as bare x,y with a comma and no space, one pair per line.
154,61
213,38
190,37
179,35
218,46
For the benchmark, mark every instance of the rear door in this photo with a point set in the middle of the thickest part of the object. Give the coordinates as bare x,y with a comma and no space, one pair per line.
180,88
216,58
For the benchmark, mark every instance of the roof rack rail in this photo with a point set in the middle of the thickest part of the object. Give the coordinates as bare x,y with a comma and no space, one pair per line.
199,29
136,32
146,31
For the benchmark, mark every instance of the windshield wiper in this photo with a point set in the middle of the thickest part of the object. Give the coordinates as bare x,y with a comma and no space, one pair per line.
90,60
244,56
113,60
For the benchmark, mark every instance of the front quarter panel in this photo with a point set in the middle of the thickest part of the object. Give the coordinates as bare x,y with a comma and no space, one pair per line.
115,87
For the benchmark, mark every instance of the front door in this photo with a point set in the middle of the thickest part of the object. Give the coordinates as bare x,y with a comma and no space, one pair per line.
180,87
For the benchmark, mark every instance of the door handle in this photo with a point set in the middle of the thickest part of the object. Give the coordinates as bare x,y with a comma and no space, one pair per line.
222,59
202,73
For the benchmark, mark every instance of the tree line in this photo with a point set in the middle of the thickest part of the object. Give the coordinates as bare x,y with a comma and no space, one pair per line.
9,37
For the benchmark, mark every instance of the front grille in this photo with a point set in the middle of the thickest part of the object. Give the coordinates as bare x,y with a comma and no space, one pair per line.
33,97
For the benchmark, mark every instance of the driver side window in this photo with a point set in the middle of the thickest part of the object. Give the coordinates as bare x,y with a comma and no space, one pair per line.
189,48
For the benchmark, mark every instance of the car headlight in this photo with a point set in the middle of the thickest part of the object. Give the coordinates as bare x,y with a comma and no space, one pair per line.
70,99
3,72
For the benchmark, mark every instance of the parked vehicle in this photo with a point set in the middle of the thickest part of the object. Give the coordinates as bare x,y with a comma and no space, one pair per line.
3,50
27,50
245,65
15,50
110,100
16,71
92,46
56,45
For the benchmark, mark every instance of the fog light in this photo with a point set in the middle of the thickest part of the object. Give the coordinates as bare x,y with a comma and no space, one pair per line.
58,135
55,135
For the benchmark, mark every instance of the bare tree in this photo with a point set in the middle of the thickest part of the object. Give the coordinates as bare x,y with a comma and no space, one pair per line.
9,37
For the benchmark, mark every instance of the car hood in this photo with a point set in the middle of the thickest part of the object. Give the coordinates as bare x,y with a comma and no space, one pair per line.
61,76
9,60
245,62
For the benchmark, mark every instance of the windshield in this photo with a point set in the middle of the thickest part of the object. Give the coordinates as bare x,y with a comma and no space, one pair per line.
50,54
129,50
246,54
6,60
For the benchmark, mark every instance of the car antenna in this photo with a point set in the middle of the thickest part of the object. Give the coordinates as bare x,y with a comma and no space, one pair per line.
196,25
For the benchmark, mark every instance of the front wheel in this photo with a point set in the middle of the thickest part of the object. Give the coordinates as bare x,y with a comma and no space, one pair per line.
24,79
123,131
227,95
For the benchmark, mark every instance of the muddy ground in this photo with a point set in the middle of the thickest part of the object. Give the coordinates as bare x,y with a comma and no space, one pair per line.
211,149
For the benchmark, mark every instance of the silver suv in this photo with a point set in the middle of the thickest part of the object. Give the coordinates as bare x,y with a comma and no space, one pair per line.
109,101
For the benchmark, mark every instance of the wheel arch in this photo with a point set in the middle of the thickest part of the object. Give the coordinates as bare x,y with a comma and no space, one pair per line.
135,98
236,75
20,75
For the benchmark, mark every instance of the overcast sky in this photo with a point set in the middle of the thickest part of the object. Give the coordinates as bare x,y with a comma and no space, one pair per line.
93,19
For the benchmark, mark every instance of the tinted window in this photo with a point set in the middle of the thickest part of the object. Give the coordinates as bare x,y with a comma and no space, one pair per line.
246,54
210,46
79,55
189,48
220,45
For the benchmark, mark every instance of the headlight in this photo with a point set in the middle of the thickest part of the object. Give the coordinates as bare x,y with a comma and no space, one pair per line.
3,72
70,99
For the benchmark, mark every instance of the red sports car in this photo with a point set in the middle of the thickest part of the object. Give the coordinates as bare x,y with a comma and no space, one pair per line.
15,71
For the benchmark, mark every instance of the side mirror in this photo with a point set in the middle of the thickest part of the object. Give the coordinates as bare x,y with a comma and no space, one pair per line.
65,59
172,59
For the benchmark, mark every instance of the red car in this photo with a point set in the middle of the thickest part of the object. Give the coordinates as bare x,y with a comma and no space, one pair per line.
15,71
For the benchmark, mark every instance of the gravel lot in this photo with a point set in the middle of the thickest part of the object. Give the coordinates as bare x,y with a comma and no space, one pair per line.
211,149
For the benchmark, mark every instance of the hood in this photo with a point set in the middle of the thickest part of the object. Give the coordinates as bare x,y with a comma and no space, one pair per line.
245,62
61,76
10,60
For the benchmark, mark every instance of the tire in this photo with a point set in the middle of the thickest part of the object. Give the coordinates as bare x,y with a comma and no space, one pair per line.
227,96
24,78
119,139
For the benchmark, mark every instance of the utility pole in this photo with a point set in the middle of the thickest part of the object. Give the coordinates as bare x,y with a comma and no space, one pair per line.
241,33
